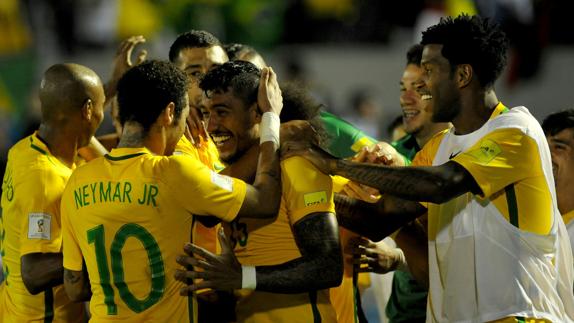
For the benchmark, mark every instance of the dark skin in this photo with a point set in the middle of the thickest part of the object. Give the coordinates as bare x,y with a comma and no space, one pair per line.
77,285
261,199
316,236
460,99
68,123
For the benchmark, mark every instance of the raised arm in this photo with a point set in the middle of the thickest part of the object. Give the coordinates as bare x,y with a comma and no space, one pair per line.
262,198
435,184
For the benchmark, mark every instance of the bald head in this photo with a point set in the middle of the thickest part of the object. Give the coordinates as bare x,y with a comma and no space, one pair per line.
66,88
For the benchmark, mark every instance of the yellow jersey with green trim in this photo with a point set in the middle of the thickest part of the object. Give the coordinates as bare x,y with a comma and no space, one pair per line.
30,223
344,297
207,153
257,242
128,215
503,252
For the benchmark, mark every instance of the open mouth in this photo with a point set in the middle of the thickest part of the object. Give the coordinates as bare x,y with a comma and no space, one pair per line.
409,114
220,139
426,97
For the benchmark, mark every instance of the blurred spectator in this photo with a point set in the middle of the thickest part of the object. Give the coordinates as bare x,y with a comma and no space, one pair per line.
366,112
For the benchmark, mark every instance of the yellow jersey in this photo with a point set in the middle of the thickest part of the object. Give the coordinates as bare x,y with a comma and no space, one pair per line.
128,215
344,297
305,190
30,223
207,153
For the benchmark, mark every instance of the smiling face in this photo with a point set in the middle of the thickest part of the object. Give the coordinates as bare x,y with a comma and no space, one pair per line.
233,125
416,111
439,87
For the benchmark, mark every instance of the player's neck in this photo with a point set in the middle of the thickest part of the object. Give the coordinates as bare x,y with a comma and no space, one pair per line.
476,109
60,143
428,131
134,136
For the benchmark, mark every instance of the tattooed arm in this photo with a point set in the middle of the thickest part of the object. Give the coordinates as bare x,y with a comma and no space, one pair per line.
320,265
41,271
376,220
436,184
77,285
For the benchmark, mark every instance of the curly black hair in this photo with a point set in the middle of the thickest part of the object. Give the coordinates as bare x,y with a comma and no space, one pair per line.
192,39
239,76
471,40
556,122
146,89
414,54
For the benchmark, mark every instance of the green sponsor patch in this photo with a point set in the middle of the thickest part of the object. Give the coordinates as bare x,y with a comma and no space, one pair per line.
487,152
315,198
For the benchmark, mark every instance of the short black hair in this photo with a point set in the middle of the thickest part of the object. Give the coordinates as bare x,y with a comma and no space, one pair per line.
192,39
146,89
471,40
239,76
556,122
235,50
415,54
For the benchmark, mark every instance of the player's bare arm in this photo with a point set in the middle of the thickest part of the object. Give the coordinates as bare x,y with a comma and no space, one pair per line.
262,198
41,271
435,184
376,220
317,237
77,285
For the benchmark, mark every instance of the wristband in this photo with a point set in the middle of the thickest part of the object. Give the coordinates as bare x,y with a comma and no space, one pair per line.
248,277
269,127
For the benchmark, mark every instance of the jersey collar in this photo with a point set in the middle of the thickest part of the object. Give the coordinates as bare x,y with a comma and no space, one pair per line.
126,153
40,146
498,110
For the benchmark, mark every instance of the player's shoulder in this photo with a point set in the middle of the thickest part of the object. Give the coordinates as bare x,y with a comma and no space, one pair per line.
300,169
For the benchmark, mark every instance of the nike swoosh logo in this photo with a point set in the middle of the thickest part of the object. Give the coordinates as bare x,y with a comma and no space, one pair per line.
452,155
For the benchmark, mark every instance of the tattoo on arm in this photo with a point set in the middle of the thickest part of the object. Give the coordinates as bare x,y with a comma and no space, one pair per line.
77,285
429,184
320,265
71,277
375,220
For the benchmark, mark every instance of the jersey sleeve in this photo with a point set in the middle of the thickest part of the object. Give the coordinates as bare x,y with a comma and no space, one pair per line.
499,159
305,189
202,191
41,229
72,253
426,156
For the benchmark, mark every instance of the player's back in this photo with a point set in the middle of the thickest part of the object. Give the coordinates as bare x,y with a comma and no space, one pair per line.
32,188
126,221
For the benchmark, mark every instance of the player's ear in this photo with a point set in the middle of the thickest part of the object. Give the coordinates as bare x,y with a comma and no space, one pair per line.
168,115
463,75
88,109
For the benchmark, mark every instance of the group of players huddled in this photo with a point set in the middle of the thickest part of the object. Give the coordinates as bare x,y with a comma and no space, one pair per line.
225,196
